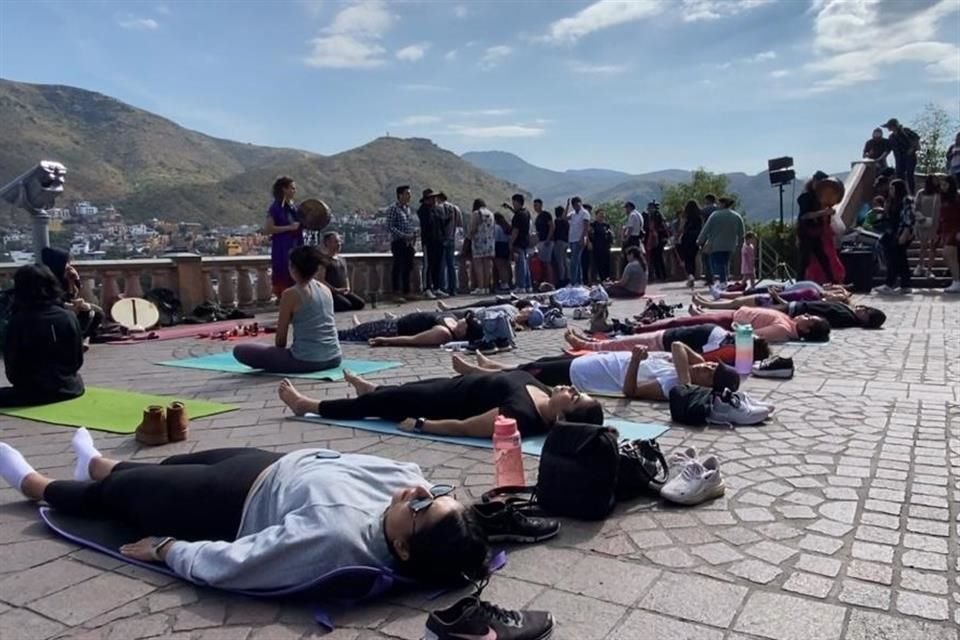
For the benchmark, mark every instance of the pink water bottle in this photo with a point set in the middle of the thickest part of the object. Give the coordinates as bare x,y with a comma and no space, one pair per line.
507,455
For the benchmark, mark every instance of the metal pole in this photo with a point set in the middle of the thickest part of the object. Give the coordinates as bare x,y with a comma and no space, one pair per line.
781,205
41,232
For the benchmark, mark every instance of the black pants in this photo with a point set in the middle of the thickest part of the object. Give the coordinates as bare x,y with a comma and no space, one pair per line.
551,370
14,397
402,265
196,496
347,301
907,170
895,255
689,255
586,259
813,248
658,269
392,402
433,255
601,261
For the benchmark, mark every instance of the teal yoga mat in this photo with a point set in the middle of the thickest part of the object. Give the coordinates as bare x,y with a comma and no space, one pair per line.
226,363
532,445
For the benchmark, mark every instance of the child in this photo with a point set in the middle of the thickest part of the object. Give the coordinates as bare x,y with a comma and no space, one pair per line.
748,258
875,213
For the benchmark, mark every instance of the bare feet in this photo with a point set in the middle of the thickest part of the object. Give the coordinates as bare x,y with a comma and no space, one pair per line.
486,362
356,320
360,385
298,403
442,306
463,367
694,310
387,315
575,340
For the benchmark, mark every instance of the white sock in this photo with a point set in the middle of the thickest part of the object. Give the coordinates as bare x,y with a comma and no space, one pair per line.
83,446
13,466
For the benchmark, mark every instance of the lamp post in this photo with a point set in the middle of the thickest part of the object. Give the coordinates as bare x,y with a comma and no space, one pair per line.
35,192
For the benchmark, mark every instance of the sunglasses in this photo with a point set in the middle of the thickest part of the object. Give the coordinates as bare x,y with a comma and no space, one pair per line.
419,505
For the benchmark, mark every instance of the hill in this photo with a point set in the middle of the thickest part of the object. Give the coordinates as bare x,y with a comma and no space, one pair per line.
149,166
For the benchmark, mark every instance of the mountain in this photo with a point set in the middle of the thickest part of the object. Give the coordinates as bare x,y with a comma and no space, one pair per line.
148,166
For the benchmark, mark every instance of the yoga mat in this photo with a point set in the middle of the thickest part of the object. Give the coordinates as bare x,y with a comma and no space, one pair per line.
183,331
532,445
110,410
226,363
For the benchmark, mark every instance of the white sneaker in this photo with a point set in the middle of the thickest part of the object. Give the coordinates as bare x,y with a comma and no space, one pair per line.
918,272
715,291
953,288
429,294
696,483
678,460
753,402
441,294
477,292
733,409
884,290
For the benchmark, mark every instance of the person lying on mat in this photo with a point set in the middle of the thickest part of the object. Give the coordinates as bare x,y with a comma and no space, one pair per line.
43,347
417,329
769,324
838,315
260,520
637,374
307,306
712,341
462,406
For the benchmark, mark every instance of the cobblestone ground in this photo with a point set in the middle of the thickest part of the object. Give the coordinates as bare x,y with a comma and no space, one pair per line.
840,519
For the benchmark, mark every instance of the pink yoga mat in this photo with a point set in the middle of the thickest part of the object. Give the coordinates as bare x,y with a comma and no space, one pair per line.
185,331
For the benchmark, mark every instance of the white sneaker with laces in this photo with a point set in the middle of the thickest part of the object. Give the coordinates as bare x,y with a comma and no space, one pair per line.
429,294
696,483
753,402
884,290
733,409
678,460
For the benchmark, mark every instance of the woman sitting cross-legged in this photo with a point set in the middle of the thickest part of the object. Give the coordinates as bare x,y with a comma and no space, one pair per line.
462,406
636,374
43,350
713,342
261,520
633,281
418,329
307,306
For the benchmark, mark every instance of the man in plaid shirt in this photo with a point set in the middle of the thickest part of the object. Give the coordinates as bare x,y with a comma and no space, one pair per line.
403,235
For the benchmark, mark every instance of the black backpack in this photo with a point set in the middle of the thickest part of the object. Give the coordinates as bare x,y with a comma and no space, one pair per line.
690,404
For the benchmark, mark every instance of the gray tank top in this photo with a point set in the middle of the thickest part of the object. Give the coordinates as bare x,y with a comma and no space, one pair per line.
314,325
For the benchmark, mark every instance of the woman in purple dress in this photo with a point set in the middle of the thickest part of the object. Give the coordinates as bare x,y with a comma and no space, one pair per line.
286,233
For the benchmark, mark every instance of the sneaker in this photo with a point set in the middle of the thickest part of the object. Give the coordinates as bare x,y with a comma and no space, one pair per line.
715,291
885,290
429,294
690,282
918,272
441,294
753,402
678,460
478,292
503,344
730,408
473,619
953,288
904,290
503,523
696,483
774,367
581,313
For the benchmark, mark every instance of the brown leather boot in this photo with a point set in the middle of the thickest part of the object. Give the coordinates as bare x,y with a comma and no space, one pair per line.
178,424
153,429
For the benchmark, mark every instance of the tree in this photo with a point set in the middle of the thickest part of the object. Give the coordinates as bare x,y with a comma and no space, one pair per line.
936,129
702,182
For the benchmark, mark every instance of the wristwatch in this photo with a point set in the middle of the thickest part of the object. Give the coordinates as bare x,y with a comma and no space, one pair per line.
158,545
418,425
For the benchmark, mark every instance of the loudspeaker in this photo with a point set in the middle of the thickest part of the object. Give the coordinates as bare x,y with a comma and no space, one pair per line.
782,176
779,163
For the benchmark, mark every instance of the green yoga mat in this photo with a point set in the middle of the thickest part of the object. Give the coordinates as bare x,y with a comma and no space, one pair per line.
110,410
226,363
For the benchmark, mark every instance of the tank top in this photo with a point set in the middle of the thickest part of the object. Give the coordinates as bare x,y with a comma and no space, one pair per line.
314,326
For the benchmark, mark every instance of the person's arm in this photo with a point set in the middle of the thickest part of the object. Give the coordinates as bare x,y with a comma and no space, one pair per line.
780,330
288,305
683,358
586,228
480,426
775,295
648,390
550,230
705,231
433,337
271,228
346,278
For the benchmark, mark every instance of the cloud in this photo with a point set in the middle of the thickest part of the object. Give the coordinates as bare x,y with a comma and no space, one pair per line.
493,56
779,73
700,10
414,121
424,88
578,66
757,58
413,52
460,11
352,41
450,56
139,24
162,9
497,131
855,41
484,112
602,14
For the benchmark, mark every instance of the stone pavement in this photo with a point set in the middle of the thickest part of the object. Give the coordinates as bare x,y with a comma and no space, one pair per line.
841,518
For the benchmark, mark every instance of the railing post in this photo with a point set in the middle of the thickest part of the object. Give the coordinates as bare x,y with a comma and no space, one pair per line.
226,287
110,293
190,280
245,297
87,289
264,287
131,284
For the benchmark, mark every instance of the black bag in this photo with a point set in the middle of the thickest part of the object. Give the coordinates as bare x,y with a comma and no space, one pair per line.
690,404
643,469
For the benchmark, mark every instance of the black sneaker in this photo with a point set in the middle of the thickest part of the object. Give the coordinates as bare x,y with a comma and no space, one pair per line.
503,523
474,619
775,367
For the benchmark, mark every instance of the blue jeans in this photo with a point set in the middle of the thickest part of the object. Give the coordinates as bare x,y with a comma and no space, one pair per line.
719,264
449,267
576,263
522,269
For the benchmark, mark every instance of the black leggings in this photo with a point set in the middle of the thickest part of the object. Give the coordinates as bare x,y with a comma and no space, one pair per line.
14,397
551,370
196,496
347,301
423,398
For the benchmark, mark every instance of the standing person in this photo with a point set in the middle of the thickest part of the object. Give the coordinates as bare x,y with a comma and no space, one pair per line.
285,233
748,259
660,234
927,211
501,252
543,223
520,242
721,235
579,218
633,229
905,143
431,241
709,206
337,275
586,258
949,230
898,230
811,218
482,227
601,237
953,158
877,148
692,224
43,348
450,219
561,240
403,235
308,308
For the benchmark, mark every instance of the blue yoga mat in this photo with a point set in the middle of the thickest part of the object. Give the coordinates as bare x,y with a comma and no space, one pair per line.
226,363
532,445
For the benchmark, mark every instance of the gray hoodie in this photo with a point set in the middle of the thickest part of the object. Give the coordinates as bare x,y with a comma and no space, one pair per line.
314,511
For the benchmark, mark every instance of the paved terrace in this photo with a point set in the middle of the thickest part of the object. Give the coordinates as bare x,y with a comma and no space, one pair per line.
841,518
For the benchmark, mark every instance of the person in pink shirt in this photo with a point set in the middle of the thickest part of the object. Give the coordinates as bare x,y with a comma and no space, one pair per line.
771,325
748,259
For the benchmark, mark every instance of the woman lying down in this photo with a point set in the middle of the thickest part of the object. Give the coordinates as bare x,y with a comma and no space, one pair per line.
259,520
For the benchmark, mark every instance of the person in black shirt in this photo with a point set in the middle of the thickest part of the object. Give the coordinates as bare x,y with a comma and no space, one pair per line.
43,349
877,148
837,314
432,244
601,238
905,144
561,238
520,242
462,406
417,329
810,221
544,226
337,278
89,315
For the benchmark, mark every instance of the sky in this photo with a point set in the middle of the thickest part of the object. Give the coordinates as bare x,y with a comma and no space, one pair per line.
632,85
